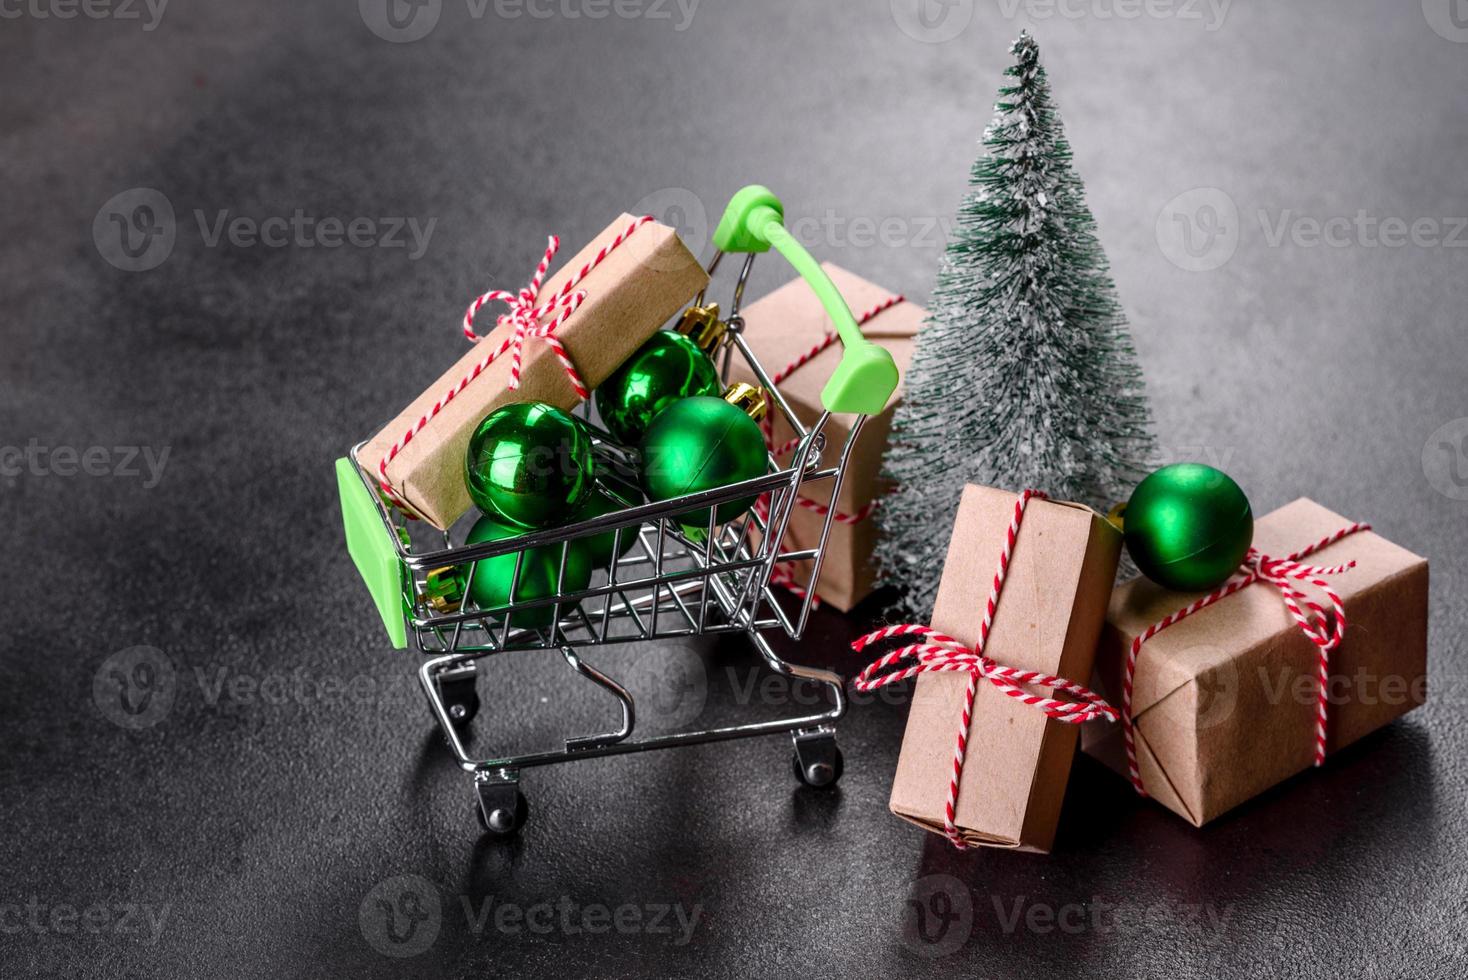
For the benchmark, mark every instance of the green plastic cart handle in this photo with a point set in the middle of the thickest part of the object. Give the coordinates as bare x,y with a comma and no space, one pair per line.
373,552
866,377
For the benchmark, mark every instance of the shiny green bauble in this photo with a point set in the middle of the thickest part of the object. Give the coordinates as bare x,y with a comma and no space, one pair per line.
700,444
599,547
540,569
1188,526
667,368
529,464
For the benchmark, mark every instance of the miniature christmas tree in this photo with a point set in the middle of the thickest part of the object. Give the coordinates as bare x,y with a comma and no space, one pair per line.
1024,375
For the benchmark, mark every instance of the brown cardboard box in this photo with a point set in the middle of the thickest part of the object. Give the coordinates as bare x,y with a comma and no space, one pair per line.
629,295
1224,701
780,328
1048,619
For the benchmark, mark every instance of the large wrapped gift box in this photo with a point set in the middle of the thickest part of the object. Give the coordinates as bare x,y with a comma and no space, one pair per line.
629,293
1048,618
782,328
1225,701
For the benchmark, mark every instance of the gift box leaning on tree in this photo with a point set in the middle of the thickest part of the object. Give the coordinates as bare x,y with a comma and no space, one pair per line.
790,331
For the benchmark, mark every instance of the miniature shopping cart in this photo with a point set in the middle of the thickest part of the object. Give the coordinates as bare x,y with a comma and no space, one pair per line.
673,581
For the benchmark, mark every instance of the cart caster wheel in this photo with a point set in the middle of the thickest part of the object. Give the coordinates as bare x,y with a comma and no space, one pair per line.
461,700
503,821
819,773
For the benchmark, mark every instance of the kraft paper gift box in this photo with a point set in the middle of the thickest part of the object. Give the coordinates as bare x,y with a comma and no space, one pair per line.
640,283
782,327
1048,619
1225,700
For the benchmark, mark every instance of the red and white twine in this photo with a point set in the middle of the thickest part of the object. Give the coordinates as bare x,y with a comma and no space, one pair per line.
938,653
782,575
525,314
1319,626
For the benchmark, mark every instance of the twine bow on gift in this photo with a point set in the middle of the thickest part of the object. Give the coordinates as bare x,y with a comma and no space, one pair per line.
782,575
525,314
1325,630
938,653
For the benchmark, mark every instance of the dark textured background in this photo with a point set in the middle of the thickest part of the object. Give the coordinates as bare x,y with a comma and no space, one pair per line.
263,823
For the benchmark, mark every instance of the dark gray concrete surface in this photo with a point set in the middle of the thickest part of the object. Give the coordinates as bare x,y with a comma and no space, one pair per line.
251,818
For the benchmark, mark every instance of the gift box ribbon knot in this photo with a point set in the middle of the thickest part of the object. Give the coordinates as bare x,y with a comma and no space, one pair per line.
939,653
1325,629
525,314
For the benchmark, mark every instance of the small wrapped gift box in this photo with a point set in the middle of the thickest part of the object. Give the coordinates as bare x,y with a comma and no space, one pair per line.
1226,701
561,338
783,329
1046,599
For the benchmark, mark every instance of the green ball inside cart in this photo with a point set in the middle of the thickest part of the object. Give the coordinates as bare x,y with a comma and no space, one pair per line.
489,579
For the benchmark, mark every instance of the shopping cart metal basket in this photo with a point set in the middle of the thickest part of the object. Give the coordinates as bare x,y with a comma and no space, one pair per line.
674,580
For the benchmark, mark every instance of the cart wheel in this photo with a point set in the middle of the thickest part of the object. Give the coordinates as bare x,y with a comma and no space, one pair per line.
461,698
502,821
822,773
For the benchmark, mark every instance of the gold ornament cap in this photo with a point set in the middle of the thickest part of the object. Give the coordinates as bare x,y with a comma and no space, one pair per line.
443,591
748,399
701,324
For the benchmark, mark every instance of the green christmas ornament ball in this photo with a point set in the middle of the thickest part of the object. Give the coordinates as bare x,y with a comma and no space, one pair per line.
667,368
489,581
700,444
1188,526
599,547
529,464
